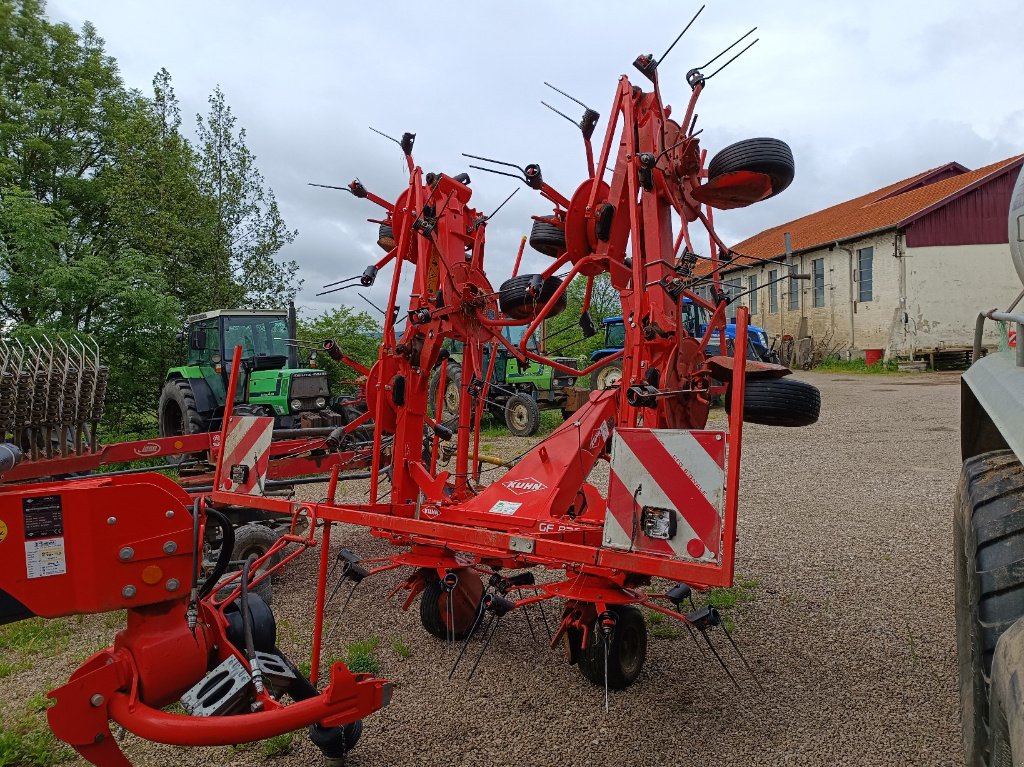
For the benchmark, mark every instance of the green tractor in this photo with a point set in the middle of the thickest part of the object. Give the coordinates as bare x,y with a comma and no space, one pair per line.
516,394
193,397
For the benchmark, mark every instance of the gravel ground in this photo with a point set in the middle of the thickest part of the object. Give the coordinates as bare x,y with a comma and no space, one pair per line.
845,528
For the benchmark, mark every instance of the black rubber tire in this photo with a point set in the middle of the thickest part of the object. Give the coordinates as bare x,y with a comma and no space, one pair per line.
335,742
452,396
626,653
431,617
522,415
779,402
598,377
516,302
264,590
988,568
770,156
386,237
547,239
178,415
255,539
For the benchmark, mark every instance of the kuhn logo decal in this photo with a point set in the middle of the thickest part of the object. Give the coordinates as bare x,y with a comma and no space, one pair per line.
525,485
430,511
148,449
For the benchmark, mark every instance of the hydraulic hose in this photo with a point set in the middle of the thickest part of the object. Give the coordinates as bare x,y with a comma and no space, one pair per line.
224,557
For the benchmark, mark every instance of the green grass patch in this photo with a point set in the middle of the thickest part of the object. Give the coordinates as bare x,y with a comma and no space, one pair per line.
836,365
401,649
28,742
279,745
36,636
11,667
361,656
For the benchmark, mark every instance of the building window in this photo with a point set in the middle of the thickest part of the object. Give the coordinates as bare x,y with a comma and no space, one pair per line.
732,289
752,293
794,291
865,259
773,291
818,277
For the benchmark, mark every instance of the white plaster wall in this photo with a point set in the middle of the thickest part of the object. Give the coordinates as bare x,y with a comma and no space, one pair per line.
946,288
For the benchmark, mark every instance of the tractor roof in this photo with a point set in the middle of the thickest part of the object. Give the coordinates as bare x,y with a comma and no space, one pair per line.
214,313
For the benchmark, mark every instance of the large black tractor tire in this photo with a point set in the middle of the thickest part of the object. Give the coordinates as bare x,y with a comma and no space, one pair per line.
779,402
386,237
519,303
988,568
178,415
547,239
627,650
522,415
770,156
606,376
451,395
434,608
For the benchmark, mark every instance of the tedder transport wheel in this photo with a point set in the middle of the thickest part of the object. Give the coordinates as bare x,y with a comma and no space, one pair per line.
627,649
769,156
547,239
988,568
519,302
451,393
522,415
779,402
178,415
467,597
606,376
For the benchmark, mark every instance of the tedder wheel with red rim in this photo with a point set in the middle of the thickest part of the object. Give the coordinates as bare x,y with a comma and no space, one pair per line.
457,621
626,647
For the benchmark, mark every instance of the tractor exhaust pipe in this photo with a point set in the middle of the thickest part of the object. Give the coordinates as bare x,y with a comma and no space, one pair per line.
293,343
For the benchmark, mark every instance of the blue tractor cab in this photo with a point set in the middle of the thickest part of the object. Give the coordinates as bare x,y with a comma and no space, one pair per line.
695,320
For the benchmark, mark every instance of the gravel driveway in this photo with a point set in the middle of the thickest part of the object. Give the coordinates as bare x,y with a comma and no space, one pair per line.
845,528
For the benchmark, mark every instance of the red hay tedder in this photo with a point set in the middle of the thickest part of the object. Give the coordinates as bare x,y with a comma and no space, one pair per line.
471,547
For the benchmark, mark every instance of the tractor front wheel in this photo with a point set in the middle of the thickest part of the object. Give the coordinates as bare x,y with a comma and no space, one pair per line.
607,376
522,415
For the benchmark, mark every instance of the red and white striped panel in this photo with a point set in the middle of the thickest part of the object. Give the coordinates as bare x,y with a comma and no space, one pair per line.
675,469
247,444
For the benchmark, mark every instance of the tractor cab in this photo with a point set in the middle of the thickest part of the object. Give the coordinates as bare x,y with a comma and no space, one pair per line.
194,394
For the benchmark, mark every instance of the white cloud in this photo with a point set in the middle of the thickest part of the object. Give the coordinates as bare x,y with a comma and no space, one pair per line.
866,94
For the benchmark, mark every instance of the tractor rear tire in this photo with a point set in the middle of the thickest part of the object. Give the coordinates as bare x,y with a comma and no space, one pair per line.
988,568
178,415
606,376
779,402
386,237
547,238
627,650
522,415
468,601
519,303
769,156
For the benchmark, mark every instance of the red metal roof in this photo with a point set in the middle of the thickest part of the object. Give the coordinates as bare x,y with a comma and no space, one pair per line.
889,207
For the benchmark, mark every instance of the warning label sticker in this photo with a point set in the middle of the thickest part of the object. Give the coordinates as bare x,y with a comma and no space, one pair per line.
45,557
504,507
3,530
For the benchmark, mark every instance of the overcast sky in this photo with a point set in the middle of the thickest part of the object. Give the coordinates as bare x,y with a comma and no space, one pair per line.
866,93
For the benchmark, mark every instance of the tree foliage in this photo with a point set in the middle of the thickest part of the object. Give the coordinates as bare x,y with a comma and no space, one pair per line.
111,223
565,336
357,333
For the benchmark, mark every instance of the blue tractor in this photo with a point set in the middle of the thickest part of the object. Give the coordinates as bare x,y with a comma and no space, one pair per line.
695,320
